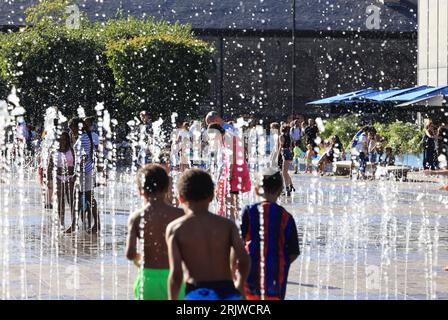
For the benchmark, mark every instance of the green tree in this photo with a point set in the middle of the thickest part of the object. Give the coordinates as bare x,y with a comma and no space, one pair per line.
50,13
130,64
344,127
405,137
56,67
402,137
161,73
4,88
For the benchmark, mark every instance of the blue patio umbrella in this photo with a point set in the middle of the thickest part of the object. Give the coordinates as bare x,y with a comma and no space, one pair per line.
390,93
419,94
345,97
378,97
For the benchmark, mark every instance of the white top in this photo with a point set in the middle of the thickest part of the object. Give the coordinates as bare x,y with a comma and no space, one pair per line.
362,145
295,133
372,145
22,131
183,134
64,160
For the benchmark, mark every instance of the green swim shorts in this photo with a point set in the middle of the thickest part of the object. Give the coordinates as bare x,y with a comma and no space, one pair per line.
155,285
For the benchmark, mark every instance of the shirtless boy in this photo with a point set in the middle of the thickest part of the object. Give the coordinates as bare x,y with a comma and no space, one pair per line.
146,229
206,245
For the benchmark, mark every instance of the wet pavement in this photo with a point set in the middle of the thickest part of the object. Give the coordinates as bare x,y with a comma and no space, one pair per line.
359,240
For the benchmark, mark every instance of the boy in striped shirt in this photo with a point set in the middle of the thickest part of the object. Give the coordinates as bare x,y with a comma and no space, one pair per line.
85,147
279,240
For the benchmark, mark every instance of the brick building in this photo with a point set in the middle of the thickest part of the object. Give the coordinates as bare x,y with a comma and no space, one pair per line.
338,47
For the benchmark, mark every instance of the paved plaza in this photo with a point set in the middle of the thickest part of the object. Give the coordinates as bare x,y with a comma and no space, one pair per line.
359,240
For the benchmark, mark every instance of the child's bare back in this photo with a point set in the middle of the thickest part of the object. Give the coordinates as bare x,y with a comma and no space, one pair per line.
200,245
205,242
155,220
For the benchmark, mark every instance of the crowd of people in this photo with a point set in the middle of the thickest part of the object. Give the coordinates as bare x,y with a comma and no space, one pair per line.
294,144
435,145
290,146
194,254
70,165
222,261
162,237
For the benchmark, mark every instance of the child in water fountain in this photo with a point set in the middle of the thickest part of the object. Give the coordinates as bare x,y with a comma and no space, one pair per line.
297,154
443,172
64,159
280,240
205,244
85,149
310,153
164,161
148,225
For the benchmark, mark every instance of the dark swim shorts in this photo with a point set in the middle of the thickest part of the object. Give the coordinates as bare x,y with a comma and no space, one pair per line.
216,290
287,154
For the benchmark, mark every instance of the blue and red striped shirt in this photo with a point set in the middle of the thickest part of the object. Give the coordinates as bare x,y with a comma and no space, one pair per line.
280,240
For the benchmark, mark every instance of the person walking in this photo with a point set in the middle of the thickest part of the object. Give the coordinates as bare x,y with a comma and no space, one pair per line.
85,149
287,157
311,132
359,150
296,133
62,164
429,146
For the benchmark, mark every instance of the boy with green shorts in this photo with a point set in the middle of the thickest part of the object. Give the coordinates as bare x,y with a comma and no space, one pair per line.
146,245
297,155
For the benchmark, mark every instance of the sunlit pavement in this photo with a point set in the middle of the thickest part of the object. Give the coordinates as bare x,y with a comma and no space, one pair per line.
359,240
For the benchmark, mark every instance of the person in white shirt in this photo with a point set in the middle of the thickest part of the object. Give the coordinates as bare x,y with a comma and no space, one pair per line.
275,135
62,163
296,132
360,150
23,133
85,150
145,139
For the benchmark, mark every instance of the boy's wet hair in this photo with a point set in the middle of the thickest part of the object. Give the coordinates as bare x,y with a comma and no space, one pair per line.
88,121
270,181
196,185
152,179
164,157
275,125
74,122
285,129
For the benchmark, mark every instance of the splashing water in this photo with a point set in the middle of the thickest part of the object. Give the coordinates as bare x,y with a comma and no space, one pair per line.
359,240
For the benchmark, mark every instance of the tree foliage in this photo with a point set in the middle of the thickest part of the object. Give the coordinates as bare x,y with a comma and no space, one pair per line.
56,67
50,13
344,127
4,88
128,28
402,137
130,64
161,73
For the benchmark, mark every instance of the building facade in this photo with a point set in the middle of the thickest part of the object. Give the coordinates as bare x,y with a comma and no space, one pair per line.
433,43
340,46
